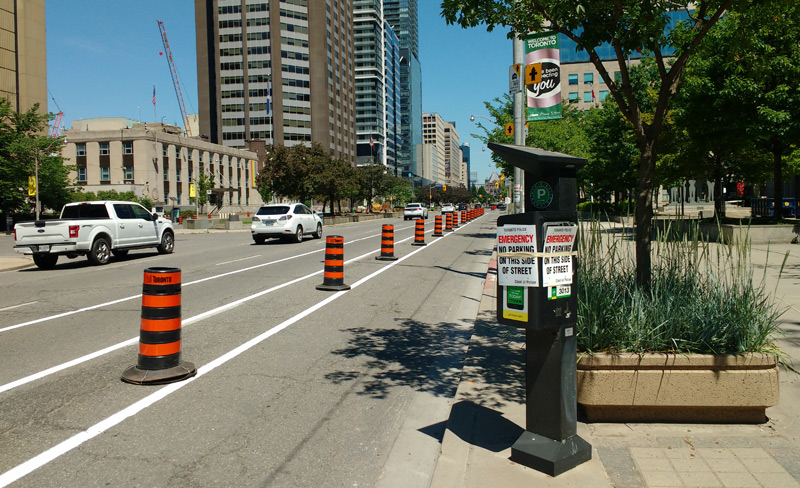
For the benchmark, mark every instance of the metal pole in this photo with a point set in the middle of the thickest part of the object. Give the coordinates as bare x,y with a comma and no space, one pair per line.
519,125
36,178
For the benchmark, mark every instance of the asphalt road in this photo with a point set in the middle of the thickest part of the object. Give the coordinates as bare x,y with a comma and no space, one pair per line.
295,386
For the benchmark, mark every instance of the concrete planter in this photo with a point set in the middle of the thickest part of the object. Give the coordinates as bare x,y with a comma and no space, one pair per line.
757,234
677,388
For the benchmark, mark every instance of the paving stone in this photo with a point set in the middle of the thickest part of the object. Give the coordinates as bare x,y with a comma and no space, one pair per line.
660,479
738,480
701,479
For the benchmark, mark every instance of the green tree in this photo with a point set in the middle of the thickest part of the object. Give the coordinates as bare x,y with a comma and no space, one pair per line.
203,183
331,179
22,145
628,26
372,181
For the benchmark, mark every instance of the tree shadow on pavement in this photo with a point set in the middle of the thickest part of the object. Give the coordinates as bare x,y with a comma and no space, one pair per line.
431,358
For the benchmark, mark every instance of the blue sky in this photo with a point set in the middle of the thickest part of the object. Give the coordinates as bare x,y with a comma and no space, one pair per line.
103,60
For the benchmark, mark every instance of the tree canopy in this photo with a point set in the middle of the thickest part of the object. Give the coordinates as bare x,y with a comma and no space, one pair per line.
627,26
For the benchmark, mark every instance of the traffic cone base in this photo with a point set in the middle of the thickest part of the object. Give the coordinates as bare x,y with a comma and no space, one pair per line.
137,376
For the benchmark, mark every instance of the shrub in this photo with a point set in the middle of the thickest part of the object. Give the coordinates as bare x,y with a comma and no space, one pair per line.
703,298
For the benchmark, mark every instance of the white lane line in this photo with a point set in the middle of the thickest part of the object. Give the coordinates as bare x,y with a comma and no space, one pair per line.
17,306
133,297
73,442
191,320
237,260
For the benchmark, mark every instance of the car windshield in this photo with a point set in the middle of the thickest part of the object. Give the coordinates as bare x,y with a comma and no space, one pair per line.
277,210
413,205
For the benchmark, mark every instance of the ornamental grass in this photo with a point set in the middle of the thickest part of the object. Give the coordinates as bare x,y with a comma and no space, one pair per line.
704,297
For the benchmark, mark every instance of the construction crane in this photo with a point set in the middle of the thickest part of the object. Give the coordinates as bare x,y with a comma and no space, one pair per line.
174,74
57,121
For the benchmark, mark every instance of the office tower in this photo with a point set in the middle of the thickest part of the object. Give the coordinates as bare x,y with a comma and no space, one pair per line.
23,55
402,16
434,144
275,71
378,117
452,155
466,168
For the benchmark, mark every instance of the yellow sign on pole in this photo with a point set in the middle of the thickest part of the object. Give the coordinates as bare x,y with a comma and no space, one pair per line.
192,190
533,73
509,129
31,186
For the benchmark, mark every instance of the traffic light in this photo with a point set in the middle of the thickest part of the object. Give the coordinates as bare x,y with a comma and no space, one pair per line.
444,187
509,129
497,184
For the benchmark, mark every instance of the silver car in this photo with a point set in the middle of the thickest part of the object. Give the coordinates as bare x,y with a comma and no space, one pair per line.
287,221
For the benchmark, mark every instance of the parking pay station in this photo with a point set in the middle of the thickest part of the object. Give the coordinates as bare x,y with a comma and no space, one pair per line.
536,280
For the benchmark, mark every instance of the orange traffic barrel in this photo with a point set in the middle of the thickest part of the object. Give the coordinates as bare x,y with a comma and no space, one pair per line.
419,233
437,226
160,331
448,225
387,244
455,219
463,216
333,276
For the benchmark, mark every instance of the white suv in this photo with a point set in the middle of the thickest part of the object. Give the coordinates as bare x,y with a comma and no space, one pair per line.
290,220
448,208
415,211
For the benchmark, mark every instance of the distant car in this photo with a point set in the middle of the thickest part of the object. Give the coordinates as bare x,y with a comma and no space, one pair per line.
501,206
448,208
415,211
477,205
462,206
287,221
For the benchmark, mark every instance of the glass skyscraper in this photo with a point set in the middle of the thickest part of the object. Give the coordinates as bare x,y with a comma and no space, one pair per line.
402,15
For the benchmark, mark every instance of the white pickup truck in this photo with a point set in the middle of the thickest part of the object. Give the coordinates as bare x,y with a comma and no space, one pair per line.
96,229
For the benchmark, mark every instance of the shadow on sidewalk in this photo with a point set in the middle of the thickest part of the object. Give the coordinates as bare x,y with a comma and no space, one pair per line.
478,426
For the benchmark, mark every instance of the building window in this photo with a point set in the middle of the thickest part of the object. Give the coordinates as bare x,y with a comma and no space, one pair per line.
127,147
588,78
573,97
128,171
587,97
81,148
166,175
164,151
81,173
603,95
105,173
104,149
177,174
573,79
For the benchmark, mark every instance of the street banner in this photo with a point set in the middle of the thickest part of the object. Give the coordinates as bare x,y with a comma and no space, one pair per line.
543,76
253,172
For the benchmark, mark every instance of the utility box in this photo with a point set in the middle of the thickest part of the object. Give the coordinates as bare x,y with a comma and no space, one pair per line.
536,291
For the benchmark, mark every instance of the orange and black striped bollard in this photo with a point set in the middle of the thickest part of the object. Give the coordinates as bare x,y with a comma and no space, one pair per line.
387,244
160,331
333,276
464,216
419,233
448,226
437,226
455,219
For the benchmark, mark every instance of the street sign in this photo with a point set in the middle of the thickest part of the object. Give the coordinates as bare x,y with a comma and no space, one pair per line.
533,73
31,186
514,79
509,129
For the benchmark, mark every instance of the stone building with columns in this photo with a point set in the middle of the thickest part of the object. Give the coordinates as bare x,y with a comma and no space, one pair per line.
156,161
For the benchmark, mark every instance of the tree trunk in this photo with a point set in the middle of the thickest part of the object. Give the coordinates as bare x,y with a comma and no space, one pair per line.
719,202
778,181
644,215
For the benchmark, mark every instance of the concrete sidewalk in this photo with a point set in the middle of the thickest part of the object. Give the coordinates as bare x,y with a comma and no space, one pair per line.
488,416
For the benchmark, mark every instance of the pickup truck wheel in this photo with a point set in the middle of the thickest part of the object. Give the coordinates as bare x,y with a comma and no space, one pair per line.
101,251
45,261
119,253
167,243
318,233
